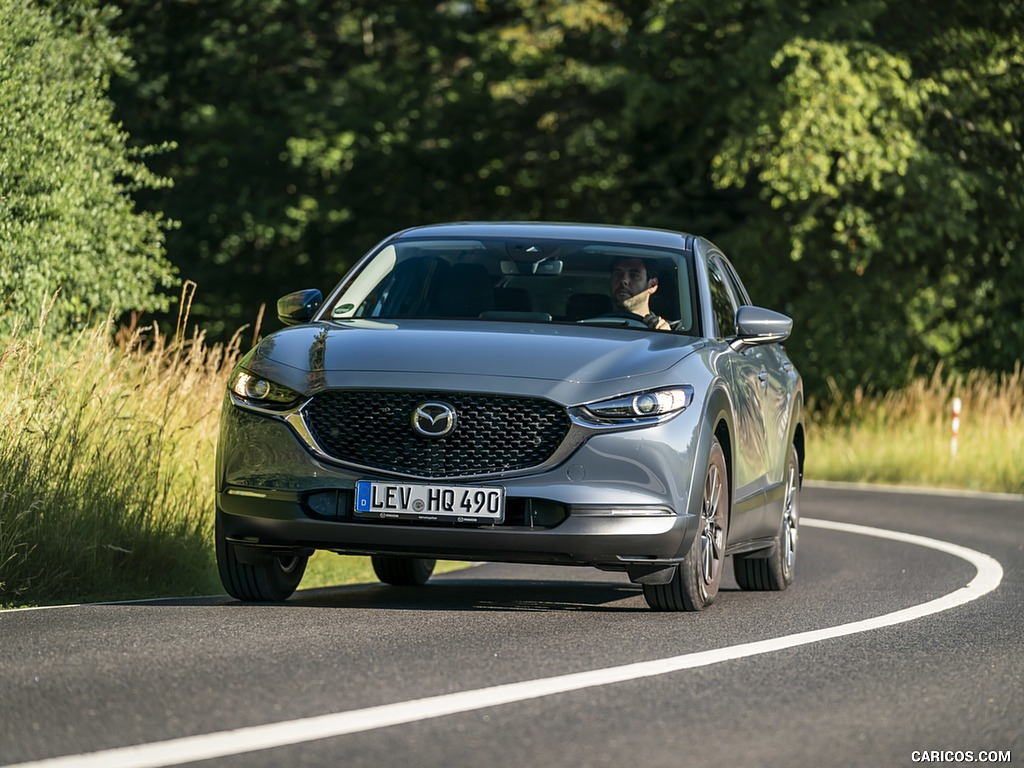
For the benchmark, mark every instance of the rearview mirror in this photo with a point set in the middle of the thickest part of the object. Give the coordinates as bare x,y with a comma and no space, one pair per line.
757,325
298,307
549,267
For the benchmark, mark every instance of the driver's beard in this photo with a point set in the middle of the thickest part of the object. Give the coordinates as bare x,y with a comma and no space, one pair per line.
636,304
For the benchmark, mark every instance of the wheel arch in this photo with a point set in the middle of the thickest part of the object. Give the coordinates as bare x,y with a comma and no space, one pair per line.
719,420
798,436
801,450
718,423
723,432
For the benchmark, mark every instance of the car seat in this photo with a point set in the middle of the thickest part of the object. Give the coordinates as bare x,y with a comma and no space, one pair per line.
466,291
580,306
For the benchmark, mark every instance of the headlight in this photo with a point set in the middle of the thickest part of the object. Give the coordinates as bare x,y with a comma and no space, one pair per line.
260,392
641,407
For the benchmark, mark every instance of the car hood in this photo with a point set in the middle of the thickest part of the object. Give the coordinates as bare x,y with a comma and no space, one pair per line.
549,352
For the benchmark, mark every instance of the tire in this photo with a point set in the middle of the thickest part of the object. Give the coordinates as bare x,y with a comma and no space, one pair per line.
695,583
402,571
775,572
259,577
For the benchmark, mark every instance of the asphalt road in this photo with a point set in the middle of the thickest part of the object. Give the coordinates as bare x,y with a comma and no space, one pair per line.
746,683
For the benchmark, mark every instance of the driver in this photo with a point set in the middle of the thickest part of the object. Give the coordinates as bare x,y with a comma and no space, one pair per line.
632,285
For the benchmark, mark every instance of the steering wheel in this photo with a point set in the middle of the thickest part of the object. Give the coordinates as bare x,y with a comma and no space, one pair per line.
631,319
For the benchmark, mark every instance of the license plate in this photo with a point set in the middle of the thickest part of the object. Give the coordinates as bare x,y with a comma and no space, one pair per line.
450,503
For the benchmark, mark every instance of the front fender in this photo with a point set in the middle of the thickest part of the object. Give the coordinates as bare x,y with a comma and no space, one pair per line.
717,419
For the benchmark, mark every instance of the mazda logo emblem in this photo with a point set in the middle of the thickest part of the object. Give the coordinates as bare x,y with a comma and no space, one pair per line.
433,419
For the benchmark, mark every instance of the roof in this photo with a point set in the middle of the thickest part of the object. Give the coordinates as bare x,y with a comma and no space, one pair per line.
541,230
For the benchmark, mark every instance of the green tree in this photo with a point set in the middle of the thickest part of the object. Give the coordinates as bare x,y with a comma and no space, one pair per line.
860,160
886,139
68,221
308,129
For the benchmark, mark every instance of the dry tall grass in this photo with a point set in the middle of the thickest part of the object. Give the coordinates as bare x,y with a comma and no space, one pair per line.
106,463
905,436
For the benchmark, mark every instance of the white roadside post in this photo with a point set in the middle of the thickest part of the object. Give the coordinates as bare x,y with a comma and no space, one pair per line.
956,427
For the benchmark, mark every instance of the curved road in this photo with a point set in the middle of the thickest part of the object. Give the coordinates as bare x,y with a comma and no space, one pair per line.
886,651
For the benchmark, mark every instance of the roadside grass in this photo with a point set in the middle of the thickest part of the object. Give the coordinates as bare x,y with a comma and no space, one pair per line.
904,437
107,468
106,465
327,569
107,459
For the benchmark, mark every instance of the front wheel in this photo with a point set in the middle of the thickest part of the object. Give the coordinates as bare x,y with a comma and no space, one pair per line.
775,572
402,571
695,583
258,577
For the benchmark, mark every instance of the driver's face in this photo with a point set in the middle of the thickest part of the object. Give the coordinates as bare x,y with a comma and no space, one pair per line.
630,286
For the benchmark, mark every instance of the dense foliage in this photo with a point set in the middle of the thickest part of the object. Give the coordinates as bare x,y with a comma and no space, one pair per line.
68,222
860,160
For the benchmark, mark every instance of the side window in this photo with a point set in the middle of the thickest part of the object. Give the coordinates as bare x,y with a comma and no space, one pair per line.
722,304
738,289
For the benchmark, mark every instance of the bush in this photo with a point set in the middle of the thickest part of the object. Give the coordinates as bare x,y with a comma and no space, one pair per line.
67,218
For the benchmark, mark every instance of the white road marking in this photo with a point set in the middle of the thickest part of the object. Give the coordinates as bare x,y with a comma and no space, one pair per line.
242,740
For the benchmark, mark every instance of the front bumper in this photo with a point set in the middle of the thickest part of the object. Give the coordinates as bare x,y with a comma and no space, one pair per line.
619,502
282,521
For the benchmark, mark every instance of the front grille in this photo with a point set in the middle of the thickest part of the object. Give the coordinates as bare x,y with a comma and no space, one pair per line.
493,433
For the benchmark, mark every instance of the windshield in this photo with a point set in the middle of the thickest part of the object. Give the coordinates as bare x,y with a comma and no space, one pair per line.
498,280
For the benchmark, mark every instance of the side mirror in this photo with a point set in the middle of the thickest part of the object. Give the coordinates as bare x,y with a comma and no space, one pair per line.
757,325
299,307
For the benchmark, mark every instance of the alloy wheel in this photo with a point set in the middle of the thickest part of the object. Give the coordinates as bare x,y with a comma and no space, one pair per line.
712,544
